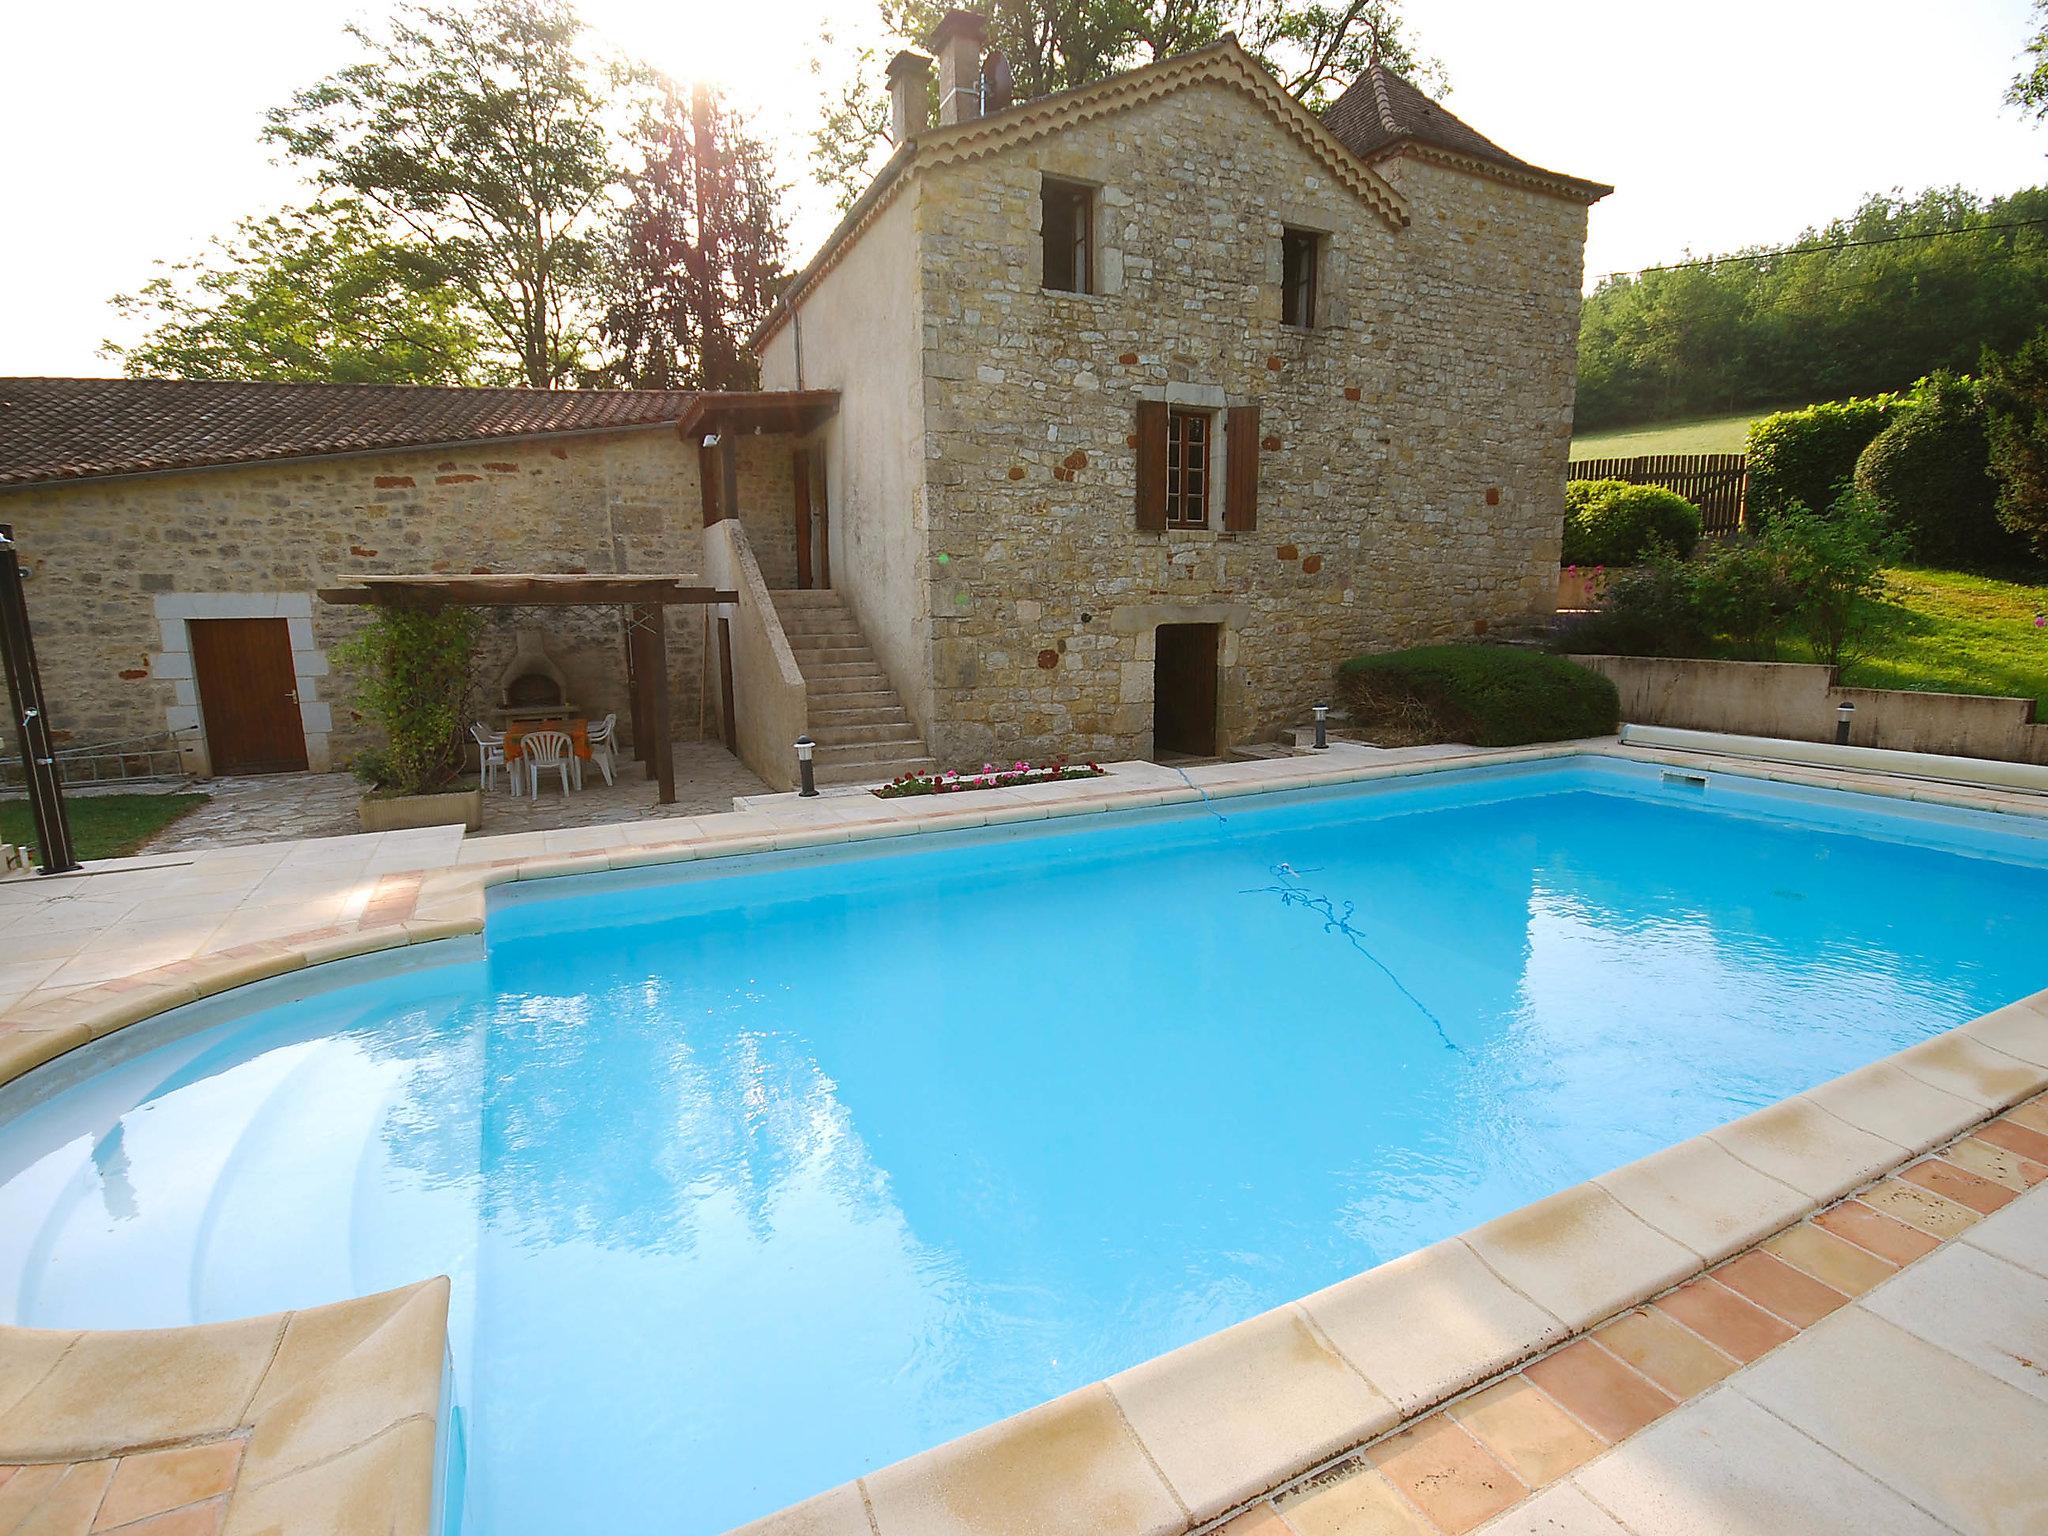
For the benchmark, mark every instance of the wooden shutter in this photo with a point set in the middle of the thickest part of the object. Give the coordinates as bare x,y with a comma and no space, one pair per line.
1152,464
1241,447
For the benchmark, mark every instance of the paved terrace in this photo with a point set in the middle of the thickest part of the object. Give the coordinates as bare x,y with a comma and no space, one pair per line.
1805,1321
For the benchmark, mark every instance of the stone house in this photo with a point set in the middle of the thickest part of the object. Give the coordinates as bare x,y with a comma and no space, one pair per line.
1106,423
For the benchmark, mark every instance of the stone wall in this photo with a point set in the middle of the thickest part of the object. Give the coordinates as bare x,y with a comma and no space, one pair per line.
120,565
1410,484
1798,701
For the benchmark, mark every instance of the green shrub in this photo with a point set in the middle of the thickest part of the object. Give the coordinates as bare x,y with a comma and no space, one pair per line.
413,678
1651,610
1615,523
2016,390
1806,457
1740,591
1487,695
1929,473
1833,565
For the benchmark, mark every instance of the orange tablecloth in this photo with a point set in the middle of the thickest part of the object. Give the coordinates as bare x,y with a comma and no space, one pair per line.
579,735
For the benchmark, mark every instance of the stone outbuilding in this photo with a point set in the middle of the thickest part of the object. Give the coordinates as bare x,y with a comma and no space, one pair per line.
1105,424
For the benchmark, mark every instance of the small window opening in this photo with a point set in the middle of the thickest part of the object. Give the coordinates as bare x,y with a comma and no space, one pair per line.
1187,469
1299,251
1068,226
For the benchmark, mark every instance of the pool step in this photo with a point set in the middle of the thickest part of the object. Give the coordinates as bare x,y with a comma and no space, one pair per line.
863,732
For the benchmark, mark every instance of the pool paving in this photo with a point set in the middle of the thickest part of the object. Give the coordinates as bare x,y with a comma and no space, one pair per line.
1872,1363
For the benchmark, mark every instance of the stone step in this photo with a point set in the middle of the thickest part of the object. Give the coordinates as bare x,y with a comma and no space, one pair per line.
875,770
833,714
837,693
902,736
813,631
834,652
814,597
866,673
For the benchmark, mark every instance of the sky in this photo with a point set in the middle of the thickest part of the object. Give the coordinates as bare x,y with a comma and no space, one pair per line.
133,131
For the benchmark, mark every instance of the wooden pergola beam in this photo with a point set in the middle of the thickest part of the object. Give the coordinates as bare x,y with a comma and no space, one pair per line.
523,591
647,597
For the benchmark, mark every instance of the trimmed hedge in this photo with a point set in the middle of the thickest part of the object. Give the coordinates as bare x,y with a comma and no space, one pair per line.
1611,522
1485,695
1929,472
1807,457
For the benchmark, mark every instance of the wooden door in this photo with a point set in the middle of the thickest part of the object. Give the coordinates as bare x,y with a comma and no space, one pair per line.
1184,689
248,695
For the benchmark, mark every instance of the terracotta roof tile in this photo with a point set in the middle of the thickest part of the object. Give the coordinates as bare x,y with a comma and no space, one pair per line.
77,429
1380,111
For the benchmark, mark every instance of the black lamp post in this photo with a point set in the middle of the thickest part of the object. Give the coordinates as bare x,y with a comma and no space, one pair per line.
1844,713
31,716
1322,727
807,777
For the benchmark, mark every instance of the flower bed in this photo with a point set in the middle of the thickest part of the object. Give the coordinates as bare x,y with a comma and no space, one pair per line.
953,782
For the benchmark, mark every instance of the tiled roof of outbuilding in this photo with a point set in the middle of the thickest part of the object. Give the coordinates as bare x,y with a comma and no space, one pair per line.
78,429
1380,112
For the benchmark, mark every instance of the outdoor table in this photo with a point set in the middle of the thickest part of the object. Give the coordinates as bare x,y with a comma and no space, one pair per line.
578,731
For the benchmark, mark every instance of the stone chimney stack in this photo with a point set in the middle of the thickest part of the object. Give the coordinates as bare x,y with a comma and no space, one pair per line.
957,42
910,95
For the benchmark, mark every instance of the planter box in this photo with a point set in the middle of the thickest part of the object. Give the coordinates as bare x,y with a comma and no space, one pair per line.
1582,586
401,813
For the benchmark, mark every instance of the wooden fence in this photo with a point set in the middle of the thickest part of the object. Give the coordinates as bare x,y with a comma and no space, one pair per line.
1714,482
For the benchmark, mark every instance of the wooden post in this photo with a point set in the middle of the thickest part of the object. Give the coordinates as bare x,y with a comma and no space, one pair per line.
664,730
800,474
636,682
728,474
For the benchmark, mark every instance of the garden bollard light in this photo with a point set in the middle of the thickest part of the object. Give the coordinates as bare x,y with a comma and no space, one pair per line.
1844,712
804,748
1322,727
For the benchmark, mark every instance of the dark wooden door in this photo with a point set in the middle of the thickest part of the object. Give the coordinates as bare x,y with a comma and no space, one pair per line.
248,695
1184,689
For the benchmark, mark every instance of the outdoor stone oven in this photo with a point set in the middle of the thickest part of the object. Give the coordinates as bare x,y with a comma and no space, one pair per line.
532,686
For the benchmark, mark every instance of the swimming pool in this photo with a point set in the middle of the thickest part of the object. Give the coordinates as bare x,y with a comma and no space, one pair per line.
754,1176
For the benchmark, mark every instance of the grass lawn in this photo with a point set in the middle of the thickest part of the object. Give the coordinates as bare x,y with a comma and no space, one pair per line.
1712,434
102,826
1946,632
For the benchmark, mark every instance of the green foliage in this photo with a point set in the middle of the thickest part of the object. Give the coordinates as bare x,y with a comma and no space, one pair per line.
1612,522
477,135
1899,288
1833,565
1486,695
1314,48
1653,609
2029,88
413,678
316,295
1929,473
1820,574
2017,401
1806,458
697,251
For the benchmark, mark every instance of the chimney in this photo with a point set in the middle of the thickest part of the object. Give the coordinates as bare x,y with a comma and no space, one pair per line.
957,41
910,95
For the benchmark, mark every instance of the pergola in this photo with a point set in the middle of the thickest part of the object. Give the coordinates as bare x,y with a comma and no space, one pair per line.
643,597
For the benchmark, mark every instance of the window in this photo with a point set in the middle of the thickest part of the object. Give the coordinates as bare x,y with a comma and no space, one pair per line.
1068,226
1187,469
1299,249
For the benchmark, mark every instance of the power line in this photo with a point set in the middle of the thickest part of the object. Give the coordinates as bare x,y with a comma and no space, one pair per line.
1831,247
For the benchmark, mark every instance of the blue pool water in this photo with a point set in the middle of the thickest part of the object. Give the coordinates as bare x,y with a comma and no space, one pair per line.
757,1176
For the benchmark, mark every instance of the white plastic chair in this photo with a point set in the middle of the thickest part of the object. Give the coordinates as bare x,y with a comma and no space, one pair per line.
546,749
490,756
604,745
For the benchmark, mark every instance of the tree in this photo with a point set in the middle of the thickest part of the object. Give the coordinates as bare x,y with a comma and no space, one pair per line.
697,254
311,295
2017,396
478,135
2029,88
1313,48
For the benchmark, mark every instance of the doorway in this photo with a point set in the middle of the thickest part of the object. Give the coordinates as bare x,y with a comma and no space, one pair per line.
1184,690
248,695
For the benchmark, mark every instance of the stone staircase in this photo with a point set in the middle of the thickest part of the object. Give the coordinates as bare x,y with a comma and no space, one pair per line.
863,733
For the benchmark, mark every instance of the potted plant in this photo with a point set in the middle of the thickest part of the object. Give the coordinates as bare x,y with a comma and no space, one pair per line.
412,675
